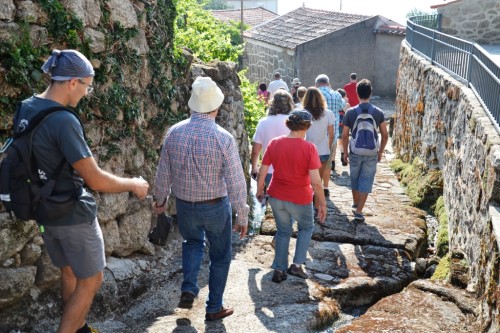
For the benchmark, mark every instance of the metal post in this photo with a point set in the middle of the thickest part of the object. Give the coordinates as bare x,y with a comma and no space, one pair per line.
432,45
241,22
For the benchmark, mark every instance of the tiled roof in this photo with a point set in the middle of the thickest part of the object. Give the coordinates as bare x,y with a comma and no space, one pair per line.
444,4
251,16
301,25
391,30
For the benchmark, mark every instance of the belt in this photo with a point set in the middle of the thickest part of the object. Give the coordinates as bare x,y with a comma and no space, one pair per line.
204,202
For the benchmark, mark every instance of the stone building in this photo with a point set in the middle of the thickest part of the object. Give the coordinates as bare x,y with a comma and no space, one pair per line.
477,21
251,16
306,42
271,5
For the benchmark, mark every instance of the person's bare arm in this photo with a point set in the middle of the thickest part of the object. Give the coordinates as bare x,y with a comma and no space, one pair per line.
331,135
260,181
345,143
317,185
383,142
254,158
102,181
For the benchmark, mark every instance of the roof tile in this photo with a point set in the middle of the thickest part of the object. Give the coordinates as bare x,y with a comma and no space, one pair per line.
301,25
251,16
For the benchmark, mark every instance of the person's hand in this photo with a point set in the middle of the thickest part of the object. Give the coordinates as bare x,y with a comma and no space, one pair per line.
140,187
260,195
380,155
159,209
241,229
346,158
254,173
322,213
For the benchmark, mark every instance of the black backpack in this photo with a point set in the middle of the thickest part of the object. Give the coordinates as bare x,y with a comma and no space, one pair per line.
22,192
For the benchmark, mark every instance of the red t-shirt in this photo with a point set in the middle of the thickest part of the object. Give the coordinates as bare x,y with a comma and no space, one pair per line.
352,95
292,158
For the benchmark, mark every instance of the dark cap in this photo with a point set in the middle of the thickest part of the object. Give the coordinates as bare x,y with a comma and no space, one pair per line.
300,114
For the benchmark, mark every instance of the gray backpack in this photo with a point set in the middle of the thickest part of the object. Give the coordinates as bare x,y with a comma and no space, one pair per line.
364,139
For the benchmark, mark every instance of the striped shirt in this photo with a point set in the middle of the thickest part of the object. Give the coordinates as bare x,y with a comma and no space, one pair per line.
200,161
335,103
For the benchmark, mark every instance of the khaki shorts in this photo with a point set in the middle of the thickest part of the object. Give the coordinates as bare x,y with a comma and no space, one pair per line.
80,246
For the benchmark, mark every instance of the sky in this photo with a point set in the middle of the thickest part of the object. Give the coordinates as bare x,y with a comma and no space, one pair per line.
395,10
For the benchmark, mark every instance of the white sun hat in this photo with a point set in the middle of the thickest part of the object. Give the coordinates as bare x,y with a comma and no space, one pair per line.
205,96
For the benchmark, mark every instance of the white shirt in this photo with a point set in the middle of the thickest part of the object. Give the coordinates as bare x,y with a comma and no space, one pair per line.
318,132
274,86
269,128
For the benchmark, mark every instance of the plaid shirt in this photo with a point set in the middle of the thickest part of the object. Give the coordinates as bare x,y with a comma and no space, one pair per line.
200,161
335,103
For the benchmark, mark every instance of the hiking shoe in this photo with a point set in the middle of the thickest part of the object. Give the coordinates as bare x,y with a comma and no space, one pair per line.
87,329
297,271
327,192
279,276
359,217
187,300
354,208
223,313
92,330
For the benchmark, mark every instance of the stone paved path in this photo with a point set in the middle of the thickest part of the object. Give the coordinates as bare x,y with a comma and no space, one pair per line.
352,266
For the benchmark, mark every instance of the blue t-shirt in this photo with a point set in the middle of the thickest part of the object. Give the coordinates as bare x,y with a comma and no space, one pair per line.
60,137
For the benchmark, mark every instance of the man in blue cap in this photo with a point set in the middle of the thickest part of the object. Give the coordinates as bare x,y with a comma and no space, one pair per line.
74,240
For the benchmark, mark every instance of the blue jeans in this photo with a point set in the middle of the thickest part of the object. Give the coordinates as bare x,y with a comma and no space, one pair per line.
362,171
213,221
285,212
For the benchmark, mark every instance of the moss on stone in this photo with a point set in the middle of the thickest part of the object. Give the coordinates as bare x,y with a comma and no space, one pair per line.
398,165
423,186
443,269
442,242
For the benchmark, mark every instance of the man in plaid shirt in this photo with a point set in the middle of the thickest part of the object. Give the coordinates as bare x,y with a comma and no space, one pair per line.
200,164
335,103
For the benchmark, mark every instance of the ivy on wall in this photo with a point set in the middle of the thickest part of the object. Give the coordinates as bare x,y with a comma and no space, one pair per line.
112,99
172,25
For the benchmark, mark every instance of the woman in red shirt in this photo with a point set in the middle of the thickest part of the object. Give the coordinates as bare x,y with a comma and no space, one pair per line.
296,175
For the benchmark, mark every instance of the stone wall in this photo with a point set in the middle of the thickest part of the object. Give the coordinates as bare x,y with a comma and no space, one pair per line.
477,21
441,121
263,61
29,288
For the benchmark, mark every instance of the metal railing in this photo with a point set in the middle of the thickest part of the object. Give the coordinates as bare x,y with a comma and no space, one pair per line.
467,61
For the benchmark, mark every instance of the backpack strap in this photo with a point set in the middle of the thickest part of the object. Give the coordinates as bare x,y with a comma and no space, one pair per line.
16,117
41,116
33,126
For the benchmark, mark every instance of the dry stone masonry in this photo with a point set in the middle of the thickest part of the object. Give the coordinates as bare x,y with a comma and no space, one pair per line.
30,283
441,121
468,20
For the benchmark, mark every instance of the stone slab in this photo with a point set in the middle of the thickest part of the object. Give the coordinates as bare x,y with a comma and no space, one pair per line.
422,307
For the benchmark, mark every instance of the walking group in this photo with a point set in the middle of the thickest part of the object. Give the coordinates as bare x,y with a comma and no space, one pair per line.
200,165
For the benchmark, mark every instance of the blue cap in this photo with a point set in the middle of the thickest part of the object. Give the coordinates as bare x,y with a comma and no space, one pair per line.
67,64
300,115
